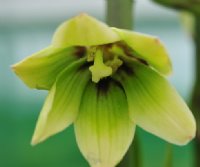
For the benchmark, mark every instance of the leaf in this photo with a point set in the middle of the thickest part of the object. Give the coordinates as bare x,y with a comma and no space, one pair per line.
186,5
103,128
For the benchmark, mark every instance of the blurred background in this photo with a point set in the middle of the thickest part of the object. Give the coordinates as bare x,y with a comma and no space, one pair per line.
27,26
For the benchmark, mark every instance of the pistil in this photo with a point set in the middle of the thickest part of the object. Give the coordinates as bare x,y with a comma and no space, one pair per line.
99,69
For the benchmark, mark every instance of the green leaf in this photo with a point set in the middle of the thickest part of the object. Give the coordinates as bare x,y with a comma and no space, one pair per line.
62,104
41,69
155,105
103,128
83,30
186,5
148,48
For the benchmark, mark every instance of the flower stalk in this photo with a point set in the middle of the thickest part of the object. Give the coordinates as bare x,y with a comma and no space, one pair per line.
123,18
196,91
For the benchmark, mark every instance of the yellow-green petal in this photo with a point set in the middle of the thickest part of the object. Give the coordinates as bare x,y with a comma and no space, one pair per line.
41,69
62,104
155,105
148,48
103,127
83,30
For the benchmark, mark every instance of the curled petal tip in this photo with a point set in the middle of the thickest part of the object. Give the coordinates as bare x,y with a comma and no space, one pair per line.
82,14
13,67
186,140
34,141
189,136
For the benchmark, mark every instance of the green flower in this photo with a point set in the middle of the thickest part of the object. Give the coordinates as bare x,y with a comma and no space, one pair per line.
105,81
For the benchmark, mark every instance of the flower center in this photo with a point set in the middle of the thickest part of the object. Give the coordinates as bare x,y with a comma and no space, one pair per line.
106,60
99,69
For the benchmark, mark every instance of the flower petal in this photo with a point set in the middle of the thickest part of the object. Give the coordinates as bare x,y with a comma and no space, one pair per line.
62,104
41,69
83,30
148,48
103,128
155,105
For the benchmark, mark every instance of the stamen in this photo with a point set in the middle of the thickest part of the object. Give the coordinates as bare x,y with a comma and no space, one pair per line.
115,63
116,50
91,53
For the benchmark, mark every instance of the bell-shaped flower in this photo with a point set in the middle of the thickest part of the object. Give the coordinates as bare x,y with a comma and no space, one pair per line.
105,81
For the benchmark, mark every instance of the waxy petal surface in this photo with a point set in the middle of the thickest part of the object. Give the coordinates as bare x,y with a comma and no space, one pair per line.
62,104
148,48
103,128
83,30
155,105
41,69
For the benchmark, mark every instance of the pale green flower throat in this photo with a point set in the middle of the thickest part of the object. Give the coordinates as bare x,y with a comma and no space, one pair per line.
107,59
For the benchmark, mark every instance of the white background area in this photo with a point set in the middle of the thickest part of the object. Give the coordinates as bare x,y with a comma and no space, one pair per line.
29,10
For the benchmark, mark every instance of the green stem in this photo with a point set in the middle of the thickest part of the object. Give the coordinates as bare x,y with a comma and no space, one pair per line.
132,157
120,14
169,156
196,91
